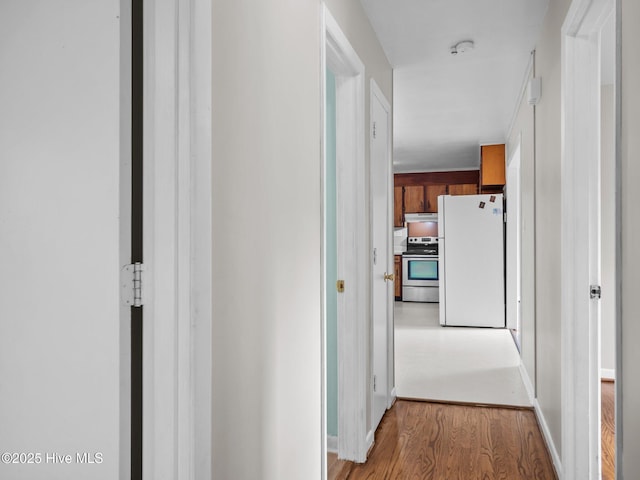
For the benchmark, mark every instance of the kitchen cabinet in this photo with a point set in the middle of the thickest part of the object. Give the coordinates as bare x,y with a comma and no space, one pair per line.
398,276
433,191
463,189
414,199
418,192
492,166
398,216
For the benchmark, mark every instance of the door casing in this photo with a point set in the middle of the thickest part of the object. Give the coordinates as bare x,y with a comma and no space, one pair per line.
177,240
353,334
581,220
514,245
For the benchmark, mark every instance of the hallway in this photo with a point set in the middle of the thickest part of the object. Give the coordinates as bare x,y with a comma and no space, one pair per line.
424,440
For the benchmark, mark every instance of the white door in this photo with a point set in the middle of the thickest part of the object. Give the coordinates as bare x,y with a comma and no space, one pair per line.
382,258
513,244
63,366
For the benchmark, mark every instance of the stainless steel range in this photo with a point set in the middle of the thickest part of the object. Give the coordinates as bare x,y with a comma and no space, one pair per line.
420,271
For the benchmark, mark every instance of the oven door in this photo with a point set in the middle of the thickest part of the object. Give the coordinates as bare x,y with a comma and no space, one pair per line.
420,271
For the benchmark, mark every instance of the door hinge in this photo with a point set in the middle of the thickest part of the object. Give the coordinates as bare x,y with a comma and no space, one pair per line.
374,129
131,281
595,291
374,383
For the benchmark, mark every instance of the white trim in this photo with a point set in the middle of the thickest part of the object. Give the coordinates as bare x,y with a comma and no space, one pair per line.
353,338
548,438
607,374
370,439
514,272
324,438
392,397
201,232
177,239
125,234
523,90
528,384
580,220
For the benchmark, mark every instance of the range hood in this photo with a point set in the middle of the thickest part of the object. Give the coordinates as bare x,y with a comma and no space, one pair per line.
420,217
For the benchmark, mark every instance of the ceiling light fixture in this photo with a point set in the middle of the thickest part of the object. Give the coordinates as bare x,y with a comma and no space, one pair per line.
462,47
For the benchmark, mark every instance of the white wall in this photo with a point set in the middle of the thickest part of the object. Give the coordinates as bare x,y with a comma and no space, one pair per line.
266,194
547,220
60,332
266,239
607,181
630,261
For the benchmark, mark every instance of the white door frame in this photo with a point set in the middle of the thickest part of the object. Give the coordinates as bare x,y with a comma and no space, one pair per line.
353,335
514,199
581,221
376,91
177,240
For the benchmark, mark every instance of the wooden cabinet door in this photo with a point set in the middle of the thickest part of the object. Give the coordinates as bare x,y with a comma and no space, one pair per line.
398,217
492,166
433,191
398,276
463,189
414,199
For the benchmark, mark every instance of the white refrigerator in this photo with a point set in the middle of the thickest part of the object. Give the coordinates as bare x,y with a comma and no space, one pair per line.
471,263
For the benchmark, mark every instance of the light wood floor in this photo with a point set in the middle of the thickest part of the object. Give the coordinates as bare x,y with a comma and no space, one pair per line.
424,440
608,431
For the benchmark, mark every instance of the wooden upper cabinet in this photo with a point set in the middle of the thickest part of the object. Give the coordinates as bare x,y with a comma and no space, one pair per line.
414,199
433,191
492,165
463,189
398,217
419,192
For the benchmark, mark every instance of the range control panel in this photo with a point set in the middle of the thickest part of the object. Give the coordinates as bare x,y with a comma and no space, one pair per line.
422,240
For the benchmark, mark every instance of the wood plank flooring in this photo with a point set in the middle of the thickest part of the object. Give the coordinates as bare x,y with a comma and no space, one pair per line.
337,469
608,431
423,440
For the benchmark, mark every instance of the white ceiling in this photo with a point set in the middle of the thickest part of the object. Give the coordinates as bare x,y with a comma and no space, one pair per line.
446,105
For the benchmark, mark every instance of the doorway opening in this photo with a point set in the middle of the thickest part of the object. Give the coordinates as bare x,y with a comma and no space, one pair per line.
345,333
588,168
439,353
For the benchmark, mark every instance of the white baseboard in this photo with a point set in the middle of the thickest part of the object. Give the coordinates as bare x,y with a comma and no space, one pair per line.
369,441
528,385
392,398
608,373
546,433
332,444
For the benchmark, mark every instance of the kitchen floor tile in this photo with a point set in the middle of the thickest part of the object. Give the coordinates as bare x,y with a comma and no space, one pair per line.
455,364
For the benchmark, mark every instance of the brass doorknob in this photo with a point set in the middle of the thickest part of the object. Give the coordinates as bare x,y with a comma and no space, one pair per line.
389,276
